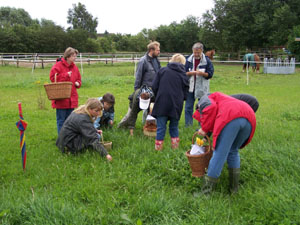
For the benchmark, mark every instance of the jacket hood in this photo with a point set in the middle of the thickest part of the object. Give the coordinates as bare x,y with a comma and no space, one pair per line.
203,103
66,63
177,67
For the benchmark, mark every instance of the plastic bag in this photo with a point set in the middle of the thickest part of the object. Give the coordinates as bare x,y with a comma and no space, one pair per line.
197,150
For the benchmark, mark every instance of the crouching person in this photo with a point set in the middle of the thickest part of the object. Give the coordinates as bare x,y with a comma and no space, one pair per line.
78,132
232,123
108,114
170,87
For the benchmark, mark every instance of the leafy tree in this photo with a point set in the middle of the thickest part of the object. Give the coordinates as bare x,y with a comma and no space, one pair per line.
294,46
52,38
93,45
80,18
282,24
12,16
105,44
77,38
239,24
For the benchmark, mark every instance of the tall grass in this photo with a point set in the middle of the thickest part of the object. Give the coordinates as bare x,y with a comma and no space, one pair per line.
142,186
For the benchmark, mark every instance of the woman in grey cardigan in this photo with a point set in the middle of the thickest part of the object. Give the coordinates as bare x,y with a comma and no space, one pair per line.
78,132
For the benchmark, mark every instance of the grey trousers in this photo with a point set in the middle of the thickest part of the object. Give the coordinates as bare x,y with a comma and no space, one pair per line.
129,120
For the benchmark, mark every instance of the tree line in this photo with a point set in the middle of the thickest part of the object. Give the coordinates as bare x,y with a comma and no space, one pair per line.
231,25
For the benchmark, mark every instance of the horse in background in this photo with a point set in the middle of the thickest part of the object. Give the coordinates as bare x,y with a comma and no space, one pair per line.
210,54
253,60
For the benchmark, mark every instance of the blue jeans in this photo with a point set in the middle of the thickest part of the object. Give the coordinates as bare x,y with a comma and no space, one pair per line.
161,122
61,116
231,138
189,108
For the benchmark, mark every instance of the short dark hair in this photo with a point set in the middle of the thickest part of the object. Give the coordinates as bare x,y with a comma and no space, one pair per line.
109,98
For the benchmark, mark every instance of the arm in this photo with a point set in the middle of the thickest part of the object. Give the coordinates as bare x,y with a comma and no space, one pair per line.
97,122
60,75
208,118
209,69
78,78
111,118
89,134
139,75
155,83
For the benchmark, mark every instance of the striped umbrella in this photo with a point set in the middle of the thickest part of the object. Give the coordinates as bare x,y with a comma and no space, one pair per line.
21,125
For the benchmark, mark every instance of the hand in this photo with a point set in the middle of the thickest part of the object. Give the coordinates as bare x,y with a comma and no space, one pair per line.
99,132
111,123
191,73
77,84
70,73
201,132
109,158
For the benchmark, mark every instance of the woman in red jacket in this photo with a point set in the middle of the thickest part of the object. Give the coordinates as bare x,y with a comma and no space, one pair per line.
66,70
232,123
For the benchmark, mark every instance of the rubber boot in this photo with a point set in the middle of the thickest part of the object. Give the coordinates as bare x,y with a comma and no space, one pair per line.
234,177
175,142
209,185
159,145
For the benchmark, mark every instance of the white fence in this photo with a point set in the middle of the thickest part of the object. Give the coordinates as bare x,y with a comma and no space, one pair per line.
278,66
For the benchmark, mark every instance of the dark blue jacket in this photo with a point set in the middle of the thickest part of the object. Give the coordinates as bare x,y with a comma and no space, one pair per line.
170,87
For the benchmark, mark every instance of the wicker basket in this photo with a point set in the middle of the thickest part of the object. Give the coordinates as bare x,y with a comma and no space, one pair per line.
58,90
107,144
149,129
199,163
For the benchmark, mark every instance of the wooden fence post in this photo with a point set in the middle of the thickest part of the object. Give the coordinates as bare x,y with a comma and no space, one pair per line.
42,64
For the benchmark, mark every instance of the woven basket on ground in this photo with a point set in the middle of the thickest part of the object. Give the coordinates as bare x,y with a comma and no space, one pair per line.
107,144
58,90
199,163
150,130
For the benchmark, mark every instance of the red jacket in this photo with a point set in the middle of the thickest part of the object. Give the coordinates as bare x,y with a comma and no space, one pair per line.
219,109
62,68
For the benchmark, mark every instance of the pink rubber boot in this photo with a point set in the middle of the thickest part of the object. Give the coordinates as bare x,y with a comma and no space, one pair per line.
175,142
159,145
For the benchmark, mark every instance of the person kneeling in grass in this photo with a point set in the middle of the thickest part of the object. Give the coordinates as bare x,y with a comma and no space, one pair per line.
78,132
108,114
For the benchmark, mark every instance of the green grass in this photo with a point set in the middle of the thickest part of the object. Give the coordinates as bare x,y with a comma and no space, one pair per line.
142,186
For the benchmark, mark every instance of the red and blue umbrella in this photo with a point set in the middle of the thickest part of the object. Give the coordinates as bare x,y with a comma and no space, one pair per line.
21,125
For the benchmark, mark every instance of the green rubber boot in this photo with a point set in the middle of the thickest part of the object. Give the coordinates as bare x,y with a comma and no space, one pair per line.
209,185
234,177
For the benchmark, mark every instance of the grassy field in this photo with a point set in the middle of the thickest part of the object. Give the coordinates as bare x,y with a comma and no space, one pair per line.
142,186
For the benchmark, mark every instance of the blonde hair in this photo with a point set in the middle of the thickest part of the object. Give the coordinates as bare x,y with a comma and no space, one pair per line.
91,103
178,58
69,52
152,45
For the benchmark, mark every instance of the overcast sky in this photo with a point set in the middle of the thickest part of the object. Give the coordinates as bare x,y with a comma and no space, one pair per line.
116,16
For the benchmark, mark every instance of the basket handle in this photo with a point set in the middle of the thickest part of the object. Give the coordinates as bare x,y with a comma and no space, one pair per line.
55,77
209,141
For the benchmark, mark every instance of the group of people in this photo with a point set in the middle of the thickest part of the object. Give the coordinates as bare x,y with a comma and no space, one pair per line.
230,119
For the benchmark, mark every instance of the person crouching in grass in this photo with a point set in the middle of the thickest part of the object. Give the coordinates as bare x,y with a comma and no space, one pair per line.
78,132
170,88
108,114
